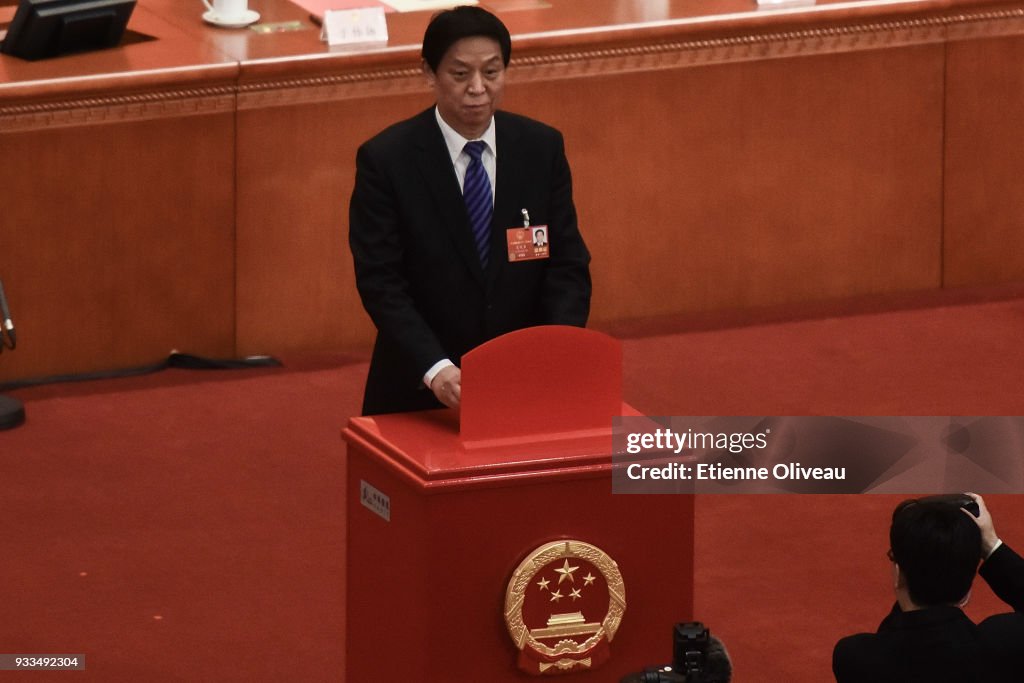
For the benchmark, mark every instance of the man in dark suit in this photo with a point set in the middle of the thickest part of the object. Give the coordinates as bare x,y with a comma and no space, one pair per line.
435,197
935,549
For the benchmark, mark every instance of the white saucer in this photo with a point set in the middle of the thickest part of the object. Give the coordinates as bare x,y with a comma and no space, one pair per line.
244,19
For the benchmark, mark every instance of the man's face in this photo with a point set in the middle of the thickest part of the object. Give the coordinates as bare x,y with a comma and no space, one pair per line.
468,84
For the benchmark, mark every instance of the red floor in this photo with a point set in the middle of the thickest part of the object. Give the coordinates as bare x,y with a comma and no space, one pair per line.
190,525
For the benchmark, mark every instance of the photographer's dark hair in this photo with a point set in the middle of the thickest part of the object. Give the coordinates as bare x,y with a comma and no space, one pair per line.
938,549
450,26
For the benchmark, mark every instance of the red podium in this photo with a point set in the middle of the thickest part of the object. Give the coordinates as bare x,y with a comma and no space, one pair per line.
494,550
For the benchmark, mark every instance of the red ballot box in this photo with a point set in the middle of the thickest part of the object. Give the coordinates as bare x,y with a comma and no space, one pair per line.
494,550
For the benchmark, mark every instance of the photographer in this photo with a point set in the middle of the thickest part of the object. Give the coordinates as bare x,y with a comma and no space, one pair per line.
935,547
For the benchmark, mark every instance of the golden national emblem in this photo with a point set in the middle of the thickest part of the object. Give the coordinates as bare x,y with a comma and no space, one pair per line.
563,605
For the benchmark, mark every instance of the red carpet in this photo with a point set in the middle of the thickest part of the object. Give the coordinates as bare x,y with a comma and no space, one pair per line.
781,578
192,530
955,360
190,525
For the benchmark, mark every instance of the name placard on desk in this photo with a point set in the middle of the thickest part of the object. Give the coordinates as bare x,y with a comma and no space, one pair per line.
423,5
780,4
364,27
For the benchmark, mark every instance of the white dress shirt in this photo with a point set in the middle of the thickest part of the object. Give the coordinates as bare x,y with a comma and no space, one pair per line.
460,160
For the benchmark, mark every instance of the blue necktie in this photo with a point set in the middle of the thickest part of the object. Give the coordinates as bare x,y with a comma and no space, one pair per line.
476,192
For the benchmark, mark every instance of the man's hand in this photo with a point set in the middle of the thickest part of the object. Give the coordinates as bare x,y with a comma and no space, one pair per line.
447,386
989,539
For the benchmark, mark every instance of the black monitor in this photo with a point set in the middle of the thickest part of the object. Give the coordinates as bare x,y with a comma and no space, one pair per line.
47,28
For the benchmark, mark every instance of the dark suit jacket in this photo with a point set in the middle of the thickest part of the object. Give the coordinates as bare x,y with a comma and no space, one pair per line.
939,644
417,269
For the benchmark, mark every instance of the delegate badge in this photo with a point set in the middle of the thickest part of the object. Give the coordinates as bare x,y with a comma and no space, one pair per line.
527,243
563,605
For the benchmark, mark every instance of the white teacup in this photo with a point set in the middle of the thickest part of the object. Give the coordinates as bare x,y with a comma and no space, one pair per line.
227,10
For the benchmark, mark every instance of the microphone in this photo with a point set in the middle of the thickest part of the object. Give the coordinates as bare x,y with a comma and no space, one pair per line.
6,324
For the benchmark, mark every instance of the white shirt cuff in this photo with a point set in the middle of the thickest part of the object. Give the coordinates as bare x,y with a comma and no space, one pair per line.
434,369
999,542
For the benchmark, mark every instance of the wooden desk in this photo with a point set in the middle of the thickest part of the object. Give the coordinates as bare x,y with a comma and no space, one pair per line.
191,191
117,237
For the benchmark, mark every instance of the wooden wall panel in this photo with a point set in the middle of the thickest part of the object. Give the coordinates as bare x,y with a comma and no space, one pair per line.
296,286
721,186
117,243
757,183
984,231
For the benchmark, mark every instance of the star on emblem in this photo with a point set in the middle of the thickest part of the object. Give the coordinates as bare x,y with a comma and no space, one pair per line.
575,594
588,579
566,573
556,596
543,583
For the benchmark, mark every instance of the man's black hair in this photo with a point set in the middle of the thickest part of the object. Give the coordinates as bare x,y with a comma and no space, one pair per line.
938,548
450,26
